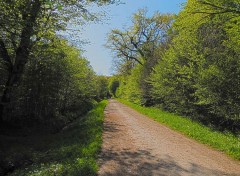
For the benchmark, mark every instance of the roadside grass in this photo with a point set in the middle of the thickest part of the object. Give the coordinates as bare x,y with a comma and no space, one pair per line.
72,152
225,142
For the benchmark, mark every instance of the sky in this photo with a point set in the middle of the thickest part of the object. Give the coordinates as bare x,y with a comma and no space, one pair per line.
117,17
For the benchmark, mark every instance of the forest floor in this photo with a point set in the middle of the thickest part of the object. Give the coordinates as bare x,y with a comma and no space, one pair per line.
133,144
71,152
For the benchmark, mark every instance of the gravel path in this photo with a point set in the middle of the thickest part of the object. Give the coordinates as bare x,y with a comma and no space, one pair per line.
133,144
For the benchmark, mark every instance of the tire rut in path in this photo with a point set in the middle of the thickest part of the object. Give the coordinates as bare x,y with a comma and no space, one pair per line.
133,145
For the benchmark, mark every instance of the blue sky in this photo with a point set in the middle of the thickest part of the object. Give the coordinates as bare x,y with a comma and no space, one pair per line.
117,17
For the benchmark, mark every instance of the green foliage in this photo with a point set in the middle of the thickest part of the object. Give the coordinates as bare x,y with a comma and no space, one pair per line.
133,89
65,84
219,7
192,69
73,151
199,73
102,87
138,44
30,49
137,49
113,86
223,142
173,83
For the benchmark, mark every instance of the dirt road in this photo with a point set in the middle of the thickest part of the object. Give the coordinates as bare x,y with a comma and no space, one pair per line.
133,144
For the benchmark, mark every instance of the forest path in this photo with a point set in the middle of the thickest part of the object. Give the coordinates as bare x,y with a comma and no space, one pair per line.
133,144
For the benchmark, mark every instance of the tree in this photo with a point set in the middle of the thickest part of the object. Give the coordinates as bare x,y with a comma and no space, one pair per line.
140,45
219,7
102,87
58,85
137,44
113,86
199,73
23,23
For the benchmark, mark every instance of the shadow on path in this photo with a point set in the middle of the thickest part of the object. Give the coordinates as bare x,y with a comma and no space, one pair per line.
123,160
141,162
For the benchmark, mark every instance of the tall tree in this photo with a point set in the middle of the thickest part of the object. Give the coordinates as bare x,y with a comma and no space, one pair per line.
23,22
199,73
138,43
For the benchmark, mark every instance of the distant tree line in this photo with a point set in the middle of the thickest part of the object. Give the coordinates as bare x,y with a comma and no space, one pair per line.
188,63
43,78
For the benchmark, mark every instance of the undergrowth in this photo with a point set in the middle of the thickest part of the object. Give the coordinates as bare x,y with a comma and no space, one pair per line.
72,152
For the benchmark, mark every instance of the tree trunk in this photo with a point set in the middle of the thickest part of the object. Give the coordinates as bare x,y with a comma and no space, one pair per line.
1,113
5,98
22,55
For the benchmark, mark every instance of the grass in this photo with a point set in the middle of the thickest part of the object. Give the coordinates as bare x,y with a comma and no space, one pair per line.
72,152
226,143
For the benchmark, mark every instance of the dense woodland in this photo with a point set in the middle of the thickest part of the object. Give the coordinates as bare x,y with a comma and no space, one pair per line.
44,79
185,63
188,64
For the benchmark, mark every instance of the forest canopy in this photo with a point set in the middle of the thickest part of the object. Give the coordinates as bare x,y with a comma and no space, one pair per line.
186,63
44,77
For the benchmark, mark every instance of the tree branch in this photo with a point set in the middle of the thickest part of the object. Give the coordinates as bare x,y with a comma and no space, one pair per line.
221,8
5,55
